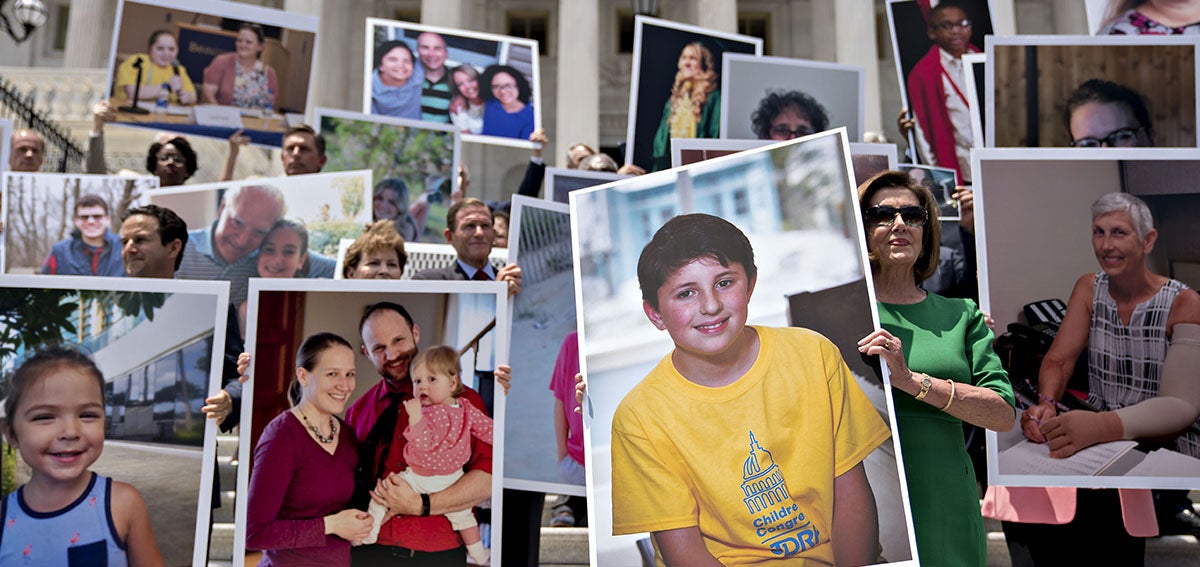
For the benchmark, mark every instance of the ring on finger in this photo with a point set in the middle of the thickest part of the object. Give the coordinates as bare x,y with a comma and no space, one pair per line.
887,344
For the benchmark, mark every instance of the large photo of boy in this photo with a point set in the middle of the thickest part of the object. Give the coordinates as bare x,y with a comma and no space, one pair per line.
211,69
413,164
68,224
928,41
696,435
675,90
366,425
486,85
106,442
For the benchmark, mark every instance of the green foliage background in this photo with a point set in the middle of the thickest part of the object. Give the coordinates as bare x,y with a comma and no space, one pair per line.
420,157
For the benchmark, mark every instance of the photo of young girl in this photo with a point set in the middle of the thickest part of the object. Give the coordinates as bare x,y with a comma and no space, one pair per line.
66,514
439,435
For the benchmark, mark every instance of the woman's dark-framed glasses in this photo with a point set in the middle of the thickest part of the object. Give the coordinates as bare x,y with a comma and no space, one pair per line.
1122,138
913,215
781,131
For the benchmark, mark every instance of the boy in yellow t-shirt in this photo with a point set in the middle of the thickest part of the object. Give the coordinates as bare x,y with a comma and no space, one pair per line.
742,443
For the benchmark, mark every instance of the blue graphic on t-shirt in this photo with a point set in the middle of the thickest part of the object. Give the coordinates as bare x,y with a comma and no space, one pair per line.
776,517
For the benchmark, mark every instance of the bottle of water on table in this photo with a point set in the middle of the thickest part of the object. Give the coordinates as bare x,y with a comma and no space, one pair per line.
160,104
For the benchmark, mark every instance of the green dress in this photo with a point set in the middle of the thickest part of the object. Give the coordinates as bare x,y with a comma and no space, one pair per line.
944,338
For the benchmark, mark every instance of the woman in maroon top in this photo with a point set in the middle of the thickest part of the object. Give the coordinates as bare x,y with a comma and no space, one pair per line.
303,474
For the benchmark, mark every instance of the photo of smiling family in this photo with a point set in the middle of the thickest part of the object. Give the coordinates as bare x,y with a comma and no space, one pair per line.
367,431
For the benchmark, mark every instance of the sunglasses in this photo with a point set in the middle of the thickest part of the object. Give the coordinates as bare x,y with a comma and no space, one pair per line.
1122,138
913,215
172,158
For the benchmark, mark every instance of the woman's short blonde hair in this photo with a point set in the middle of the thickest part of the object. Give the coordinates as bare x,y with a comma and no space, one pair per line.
379,235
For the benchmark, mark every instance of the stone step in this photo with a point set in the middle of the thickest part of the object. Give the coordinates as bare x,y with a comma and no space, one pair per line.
1164,551
228,472
564,546
227,445
220,546
224,514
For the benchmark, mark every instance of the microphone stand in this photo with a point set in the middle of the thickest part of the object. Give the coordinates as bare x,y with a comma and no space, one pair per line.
133,107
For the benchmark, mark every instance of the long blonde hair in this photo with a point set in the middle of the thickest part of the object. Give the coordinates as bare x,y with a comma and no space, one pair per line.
702,83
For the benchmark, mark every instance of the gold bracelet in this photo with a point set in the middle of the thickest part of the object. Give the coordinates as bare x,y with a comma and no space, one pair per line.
951,400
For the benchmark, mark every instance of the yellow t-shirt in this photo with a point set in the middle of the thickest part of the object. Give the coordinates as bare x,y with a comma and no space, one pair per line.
153,78
751,464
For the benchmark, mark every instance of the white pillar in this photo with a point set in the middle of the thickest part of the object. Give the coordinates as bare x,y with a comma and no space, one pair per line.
720,15
1070,17
578,82
1004,17
855,45
445,13
89,28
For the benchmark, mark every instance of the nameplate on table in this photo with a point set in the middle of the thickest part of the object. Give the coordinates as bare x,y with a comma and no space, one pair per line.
218,116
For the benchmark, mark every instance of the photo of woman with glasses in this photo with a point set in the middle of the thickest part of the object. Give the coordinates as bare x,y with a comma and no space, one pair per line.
507,110
788,114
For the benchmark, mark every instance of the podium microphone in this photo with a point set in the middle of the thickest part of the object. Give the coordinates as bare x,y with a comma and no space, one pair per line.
133,107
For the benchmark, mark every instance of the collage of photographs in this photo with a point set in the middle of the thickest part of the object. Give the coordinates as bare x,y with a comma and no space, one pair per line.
737,326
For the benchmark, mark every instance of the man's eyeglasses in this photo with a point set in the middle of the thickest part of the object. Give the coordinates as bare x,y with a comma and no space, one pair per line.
947,26
1122,138
913,215
172,158
781,131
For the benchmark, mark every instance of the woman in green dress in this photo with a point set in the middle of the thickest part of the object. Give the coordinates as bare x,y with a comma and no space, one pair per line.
943,370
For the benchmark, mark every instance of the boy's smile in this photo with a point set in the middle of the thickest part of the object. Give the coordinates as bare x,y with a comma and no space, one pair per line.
703,306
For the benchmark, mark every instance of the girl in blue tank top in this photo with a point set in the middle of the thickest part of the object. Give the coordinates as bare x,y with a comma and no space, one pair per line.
66,515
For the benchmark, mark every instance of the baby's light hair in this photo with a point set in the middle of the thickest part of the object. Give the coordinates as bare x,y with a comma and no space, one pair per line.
43,361
442,359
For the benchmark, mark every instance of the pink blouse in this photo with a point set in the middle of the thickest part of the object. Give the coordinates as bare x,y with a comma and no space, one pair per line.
441,442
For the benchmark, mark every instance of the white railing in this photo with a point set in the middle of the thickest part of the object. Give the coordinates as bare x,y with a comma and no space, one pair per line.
64,95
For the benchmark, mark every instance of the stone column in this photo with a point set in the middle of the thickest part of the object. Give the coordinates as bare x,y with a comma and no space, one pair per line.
445,13
578,81
720,15
1004,18
854,44
90,28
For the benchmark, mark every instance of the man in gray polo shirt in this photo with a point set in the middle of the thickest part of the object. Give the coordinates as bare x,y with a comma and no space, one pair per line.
224,250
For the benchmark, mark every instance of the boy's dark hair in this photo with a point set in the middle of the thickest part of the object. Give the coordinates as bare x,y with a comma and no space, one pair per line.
943,5
189,155
91,200
170,226
374,308
318,139
685,238
1100,90
442,359
45,359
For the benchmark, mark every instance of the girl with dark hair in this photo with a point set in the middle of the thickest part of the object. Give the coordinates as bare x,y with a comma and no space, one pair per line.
303,475
507,111
240,77
396,81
